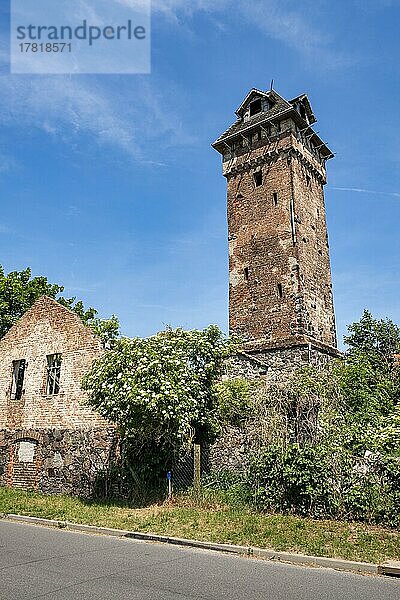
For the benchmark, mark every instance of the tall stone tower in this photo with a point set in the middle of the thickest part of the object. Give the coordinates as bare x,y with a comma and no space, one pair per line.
280,290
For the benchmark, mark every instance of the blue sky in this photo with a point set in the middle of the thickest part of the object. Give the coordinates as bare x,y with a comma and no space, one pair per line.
109,185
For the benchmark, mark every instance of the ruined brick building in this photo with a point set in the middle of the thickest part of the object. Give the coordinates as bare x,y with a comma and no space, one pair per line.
280,302
49,439
280,290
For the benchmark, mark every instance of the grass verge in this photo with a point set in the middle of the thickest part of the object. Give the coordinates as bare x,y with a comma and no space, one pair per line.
214,521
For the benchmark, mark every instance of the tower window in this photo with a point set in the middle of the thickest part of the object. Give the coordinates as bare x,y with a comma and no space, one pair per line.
53,374
280,290
18,376
246,273
255,107
308,180
275,198
258,178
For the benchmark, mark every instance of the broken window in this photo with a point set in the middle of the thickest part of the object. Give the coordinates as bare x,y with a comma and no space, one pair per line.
53,374
18,376
258,178
255,107
275,198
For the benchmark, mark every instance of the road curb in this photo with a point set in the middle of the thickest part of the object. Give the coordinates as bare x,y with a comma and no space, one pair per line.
287,557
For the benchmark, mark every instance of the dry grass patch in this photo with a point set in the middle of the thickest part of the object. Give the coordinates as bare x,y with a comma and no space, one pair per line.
216,521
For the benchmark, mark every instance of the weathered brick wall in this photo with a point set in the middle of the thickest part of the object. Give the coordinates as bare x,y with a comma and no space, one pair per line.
50,442
48,328
280,283
313,252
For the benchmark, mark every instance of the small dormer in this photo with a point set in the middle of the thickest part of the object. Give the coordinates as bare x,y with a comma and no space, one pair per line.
255,103
303,107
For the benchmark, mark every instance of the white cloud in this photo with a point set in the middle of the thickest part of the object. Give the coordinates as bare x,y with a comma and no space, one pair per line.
130,113
364,191
122,113
292,27
56,103
277,19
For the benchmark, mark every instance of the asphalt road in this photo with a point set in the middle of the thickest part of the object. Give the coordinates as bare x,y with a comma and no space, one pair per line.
39,562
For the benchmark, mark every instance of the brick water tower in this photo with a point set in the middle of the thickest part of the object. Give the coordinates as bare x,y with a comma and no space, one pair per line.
280,289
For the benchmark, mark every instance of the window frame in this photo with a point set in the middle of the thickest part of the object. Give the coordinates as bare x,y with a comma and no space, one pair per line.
53,370
258,102
18,378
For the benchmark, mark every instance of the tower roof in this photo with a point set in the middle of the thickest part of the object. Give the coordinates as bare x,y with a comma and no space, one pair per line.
273,108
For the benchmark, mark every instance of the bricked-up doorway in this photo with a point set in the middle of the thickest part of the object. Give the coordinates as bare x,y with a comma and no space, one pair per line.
24,463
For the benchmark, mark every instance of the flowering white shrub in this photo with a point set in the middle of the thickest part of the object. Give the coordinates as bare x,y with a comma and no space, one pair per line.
161,388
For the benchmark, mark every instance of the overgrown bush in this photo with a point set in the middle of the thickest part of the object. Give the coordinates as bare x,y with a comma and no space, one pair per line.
234,401
327,443
311,481
290,479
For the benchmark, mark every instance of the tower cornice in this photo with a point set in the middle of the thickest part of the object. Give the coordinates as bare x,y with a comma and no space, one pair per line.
246,163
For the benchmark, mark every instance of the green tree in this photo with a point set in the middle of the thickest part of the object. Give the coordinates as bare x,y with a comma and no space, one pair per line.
377,340
160,392
19,290
368,378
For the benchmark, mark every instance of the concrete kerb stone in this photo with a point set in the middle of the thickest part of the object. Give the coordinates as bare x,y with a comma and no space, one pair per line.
391,568
318,561
287,557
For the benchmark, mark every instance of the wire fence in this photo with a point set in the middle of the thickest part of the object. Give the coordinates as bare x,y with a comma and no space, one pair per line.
188,468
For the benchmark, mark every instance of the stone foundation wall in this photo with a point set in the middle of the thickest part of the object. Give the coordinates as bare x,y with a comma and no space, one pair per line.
276,365
230,451
55,461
